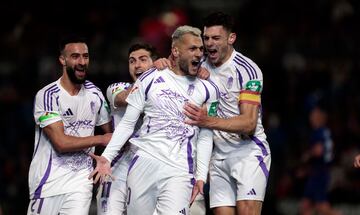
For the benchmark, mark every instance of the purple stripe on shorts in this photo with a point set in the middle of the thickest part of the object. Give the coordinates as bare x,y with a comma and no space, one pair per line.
263,166
132,163
260,144
40,205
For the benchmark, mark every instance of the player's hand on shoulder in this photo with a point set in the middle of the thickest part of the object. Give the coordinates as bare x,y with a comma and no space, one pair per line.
203,73
162,63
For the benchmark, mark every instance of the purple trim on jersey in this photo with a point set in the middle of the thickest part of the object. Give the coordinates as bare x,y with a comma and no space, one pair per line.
207,95
216,88
48,97
240,78
57,100
260,144
117,158
189,157
147,89
263,166
133,161
37,144
145,74
247,69
101,101
90,85
247,63
37,193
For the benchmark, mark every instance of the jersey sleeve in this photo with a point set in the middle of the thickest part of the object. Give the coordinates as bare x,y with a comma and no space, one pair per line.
46,110
252,86
205,139
104,111
138,94
115,89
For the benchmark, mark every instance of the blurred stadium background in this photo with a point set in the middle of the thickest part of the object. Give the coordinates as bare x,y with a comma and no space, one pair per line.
308,51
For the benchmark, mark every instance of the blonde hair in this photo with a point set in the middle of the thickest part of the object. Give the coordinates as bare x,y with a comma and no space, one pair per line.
182,30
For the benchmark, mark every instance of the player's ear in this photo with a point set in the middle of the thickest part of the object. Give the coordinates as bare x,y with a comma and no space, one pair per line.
62,60
175,51
232,38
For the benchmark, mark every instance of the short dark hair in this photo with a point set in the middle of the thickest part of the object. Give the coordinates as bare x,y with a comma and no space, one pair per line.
220,18
151,49
71,38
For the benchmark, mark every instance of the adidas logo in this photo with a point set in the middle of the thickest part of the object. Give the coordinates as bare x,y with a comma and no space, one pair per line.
159,80
251,192
183,211
68,112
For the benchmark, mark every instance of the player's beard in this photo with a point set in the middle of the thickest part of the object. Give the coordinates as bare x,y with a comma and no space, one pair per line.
184,67
71,73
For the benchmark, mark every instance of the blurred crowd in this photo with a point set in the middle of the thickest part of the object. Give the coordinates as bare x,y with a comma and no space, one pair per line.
308,51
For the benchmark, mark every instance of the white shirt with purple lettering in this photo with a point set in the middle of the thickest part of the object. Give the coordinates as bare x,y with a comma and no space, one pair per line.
53,173
161,95
237,74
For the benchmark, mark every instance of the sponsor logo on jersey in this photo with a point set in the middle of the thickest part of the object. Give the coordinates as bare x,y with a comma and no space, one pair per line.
253,85
68,112
213,108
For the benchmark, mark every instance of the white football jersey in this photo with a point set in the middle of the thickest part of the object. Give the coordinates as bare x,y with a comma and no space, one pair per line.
53,173
239,80
116,112
164,135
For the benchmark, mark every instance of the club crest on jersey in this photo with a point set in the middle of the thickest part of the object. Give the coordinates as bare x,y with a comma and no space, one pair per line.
230,82
253,85
92,107
190,90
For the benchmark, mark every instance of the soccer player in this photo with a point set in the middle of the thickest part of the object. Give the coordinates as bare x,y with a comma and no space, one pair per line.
111,197
66,113
241,158
161,174
318,159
